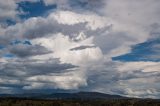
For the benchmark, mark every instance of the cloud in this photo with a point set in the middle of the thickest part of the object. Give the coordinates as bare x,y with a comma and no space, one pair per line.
93,20
62,44
143,66
55,23
125,78
81,47
48,34
73,49
140,77
8,10
69,80
20,72
60,3
132,17
146,51
6,90
29,67
90,5
23,51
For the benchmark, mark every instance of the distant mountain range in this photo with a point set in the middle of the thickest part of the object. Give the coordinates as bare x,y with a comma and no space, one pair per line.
79,95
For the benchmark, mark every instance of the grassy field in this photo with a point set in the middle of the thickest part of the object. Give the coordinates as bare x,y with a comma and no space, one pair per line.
111,102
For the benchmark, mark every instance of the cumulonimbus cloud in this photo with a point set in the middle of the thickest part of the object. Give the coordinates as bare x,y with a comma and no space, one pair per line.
74,49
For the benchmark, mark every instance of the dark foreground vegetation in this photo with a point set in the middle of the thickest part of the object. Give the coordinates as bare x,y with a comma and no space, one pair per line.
109,102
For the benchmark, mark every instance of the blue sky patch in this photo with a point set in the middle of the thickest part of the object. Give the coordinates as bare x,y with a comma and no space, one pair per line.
9,55
15,42
78,3
25,42
34,9
147,51
10,22
1,47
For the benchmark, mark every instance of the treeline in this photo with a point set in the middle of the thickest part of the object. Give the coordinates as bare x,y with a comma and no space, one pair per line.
111,102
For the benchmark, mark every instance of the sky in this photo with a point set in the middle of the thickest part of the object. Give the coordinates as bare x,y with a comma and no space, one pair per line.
108,46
